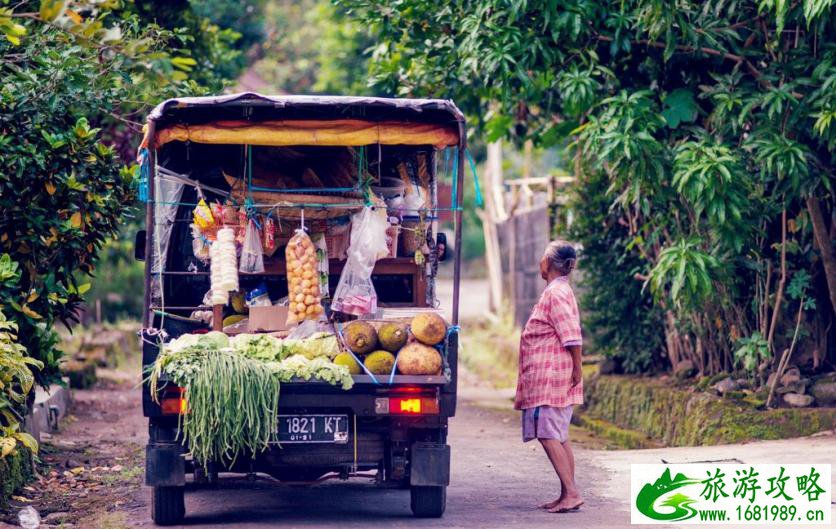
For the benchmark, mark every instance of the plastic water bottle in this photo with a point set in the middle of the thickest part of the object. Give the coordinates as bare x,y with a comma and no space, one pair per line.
29,518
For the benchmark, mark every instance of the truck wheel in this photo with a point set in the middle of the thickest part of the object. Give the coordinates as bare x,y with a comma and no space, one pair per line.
428,502
167,505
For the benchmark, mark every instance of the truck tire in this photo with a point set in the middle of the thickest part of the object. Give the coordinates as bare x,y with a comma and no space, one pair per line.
428,502
167,505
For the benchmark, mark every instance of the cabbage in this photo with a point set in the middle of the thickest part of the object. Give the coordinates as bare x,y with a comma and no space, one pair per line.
214,340
259,346
184,341
318,344
320,368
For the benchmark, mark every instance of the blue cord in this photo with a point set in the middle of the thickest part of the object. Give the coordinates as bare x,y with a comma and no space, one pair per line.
144,170
455,202
338,326
394,369
479,201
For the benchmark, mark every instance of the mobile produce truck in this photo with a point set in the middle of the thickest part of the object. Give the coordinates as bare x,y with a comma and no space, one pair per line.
278,166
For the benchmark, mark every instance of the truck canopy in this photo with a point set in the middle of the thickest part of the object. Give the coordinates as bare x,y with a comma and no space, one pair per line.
295,156
254,119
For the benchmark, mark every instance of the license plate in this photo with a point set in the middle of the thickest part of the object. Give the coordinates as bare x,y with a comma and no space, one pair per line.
313,428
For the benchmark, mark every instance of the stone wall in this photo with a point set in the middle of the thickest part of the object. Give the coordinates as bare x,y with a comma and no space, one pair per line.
679,417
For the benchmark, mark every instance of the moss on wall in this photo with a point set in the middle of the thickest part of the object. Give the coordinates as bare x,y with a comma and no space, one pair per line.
15,471
679,417
621,437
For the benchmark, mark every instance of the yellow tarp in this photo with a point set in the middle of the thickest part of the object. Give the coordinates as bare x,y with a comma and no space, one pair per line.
344,132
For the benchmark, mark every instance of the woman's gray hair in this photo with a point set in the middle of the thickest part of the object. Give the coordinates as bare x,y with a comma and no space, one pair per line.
561,256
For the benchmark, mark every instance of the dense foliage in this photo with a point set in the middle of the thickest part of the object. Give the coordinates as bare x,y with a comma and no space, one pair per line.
313,47
16,379
75,79
713,125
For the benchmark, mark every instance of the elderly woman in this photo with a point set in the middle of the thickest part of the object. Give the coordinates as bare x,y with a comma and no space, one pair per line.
550,381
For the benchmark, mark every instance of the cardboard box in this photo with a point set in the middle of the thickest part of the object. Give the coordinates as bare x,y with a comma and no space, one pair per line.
268,319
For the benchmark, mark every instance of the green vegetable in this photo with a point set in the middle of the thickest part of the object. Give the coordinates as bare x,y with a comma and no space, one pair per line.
215,338
232,387
318,344
233,403
298,366
259,346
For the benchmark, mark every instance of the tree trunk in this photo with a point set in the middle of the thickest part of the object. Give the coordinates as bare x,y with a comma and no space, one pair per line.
825,247
779,294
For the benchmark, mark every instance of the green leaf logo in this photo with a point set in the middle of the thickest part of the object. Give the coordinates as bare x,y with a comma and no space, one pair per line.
680,503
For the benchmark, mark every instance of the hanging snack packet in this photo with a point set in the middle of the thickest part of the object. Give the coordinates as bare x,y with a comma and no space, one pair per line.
268,234
304,301
243,226
230,215
252,256
203,215
200,244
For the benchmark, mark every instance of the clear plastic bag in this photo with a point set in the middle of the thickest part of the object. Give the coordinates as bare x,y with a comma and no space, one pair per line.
322,272
252,256
355,292
304,301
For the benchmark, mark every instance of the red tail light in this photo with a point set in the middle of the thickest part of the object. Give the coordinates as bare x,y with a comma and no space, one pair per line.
173,401
413,406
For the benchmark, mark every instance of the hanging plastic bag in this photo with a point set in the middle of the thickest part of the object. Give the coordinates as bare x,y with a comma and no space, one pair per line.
242,227
322,272
252,256
268,234
203,215
304,302
200,244
355,292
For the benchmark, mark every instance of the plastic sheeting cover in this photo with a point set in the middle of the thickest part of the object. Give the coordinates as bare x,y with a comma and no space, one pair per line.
167,194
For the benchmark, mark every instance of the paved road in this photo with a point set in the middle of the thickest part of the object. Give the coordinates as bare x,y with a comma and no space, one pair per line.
496,479
496,482
473,301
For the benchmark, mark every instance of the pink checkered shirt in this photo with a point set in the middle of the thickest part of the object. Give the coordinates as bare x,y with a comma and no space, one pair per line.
545,376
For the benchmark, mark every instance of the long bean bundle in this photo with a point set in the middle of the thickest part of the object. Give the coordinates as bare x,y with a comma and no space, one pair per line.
232,388
233,405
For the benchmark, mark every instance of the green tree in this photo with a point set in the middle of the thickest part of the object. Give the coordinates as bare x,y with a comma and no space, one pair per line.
313,47
74,77
712,122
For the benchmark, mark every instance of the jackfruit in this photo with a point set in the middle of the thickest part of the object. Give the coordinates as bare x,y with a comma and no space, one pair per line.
392,336
429,328
419,359
347,360
380,362
360,337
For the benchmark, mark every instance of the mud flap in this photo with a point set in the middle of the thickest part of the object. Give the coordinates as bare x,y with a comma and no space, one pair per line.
429,465
165,465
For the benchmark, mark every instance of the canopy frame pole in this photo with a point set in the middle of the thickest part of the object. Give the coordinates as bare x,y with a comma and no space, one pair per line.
147,314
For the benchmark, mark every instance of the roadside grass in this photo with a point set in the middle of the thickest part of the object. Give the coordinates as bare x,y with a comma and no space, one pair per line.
490,349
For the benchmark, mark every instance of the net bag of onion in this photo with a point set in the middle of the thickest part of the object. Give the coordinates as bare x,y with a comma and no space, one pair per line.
304,300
